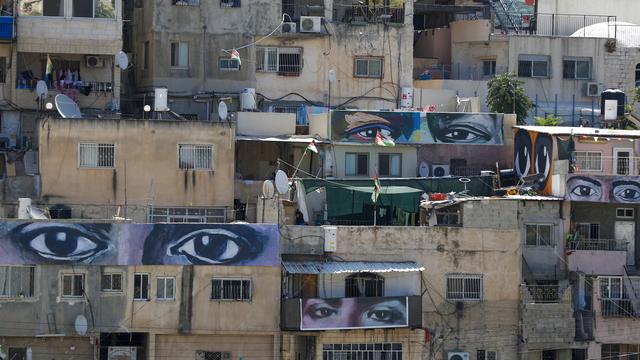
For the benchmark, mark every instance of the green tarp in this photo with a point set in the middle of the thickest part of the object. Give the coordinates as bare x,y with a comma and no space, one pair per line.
352,199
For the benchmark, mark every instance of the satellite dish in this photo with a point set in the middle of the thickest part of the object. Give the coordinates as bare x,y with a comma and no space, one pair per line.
147,108
81,325
423,170
282,182
41,89
222,110
67,108
122,59
268,189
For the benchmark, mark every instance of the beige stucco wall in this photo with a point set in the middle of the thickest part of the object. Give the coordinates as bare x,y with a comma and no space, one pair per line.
470,30
149,150
69,347
241,346
409,158
624,10
265,124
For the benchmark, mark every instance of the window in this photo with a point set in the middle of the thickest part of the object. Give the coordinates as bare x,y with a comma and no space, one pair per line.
539,235
41,8
576,68
588,231
356,164
488,67
227,64
179,54
614,298
368,67
625,213
588,160
548,355
17,353
141,286
230,3
533,66
464,287
378,351
283,60
212,355
231,289
165,288
187,215
186,2
195,157
364,285
620,351
17,281
145,55
94,8
96,156
111,282
486,355
3,69
72,285
637,75
390,164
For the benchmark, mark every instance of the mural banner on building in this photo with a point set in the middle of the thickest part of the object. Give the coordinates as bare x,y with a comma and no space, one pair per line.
414,128
139,244
354,313
604,189
533,156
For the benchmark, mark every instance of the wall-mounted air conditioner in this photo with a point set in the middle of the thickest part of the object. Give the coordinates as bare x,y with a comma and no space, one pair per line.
458,355
94,61
310,24
440,170
289,27
592,89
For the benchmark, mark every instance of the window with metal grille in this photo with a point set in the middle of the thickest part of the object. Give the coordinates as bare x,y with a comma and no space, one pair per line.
588,231
588,160
186,215
111,282
625,213
165,288
186,2
486,355
283,60
17,281
195,157
356,164
231,289
227,64
364,285
213,355
464,287
17,353
390,165
370,351
96,156
368,67
230,3
3,69
180,54
72,285
534,66
488,69
539,235
576,68
140,286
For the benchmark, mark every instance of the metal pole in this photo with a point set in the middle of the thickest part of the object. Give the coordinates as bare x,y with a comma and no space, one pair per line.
555,106
573,111
593,108
536,107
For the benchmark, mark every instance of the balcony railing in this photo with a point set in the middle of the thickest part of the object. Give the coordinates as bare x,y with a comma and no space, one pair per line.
368,14
597,244
558,24
457,71
595,164
541,294
617,308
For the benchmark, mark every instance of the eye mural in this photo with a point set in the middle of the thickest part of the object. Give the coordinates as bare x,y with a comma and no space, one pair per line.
533,155
139,244
410,127
353,313
604,189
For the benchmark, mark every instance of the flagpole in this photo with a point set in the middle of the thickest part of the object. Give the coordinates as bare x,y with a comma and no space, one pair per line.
299,163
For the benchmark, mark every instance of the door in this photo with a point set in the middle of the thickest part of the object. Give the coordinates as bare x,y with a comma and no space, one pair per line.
625,231
622,161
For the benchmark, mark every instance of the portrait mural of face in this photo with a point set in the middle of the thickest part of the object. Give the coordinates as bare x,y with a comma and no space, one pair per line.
139,244
410,127
533,155
354,313
604,189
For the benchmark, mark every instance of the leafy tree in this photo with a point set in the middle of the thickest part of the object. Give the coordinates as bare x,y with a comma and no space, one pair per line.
506,95
548,120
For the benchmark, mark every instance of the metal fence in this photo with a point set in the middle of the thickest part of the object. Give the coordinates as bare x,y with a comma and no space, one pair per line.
458,71
368,14
617,308
556,24
541,293
597,244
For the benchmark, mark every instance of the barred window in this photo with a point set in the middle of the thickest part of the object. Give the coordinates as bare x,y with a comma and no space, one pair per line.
364,284
486,355
213,355
230,3
283,60
231,289
17,281
72,285
588,231
195,157
378,351
96,156
464,287
589,160
186,215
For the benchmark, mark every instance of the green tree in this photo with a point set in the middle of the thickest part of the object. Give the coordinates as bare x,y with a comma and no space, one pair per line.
506,95
548,120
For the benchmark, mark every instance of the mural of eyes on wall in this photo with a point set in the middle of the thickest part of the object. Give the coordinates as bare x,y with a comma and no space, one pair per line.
139,244
533,155
605,189
353,313
411,127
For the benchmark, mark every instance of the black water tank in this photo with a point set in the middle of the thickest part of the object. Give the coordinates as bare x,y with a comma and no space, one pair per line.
60,212
613,94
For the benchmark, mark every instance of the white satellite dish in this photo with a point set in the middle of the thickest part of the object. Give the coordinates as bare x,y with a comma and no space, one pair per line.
122,59
222,110
41,89
423,170
67,108
268,189
282,182
81,325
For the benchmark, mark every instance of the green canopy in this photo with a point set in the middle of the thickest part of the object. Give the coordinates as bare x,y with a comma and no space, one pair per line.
347,200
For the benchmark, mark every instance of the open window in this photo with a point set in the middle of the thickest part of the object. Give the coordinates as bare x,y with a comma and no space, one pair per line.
364,285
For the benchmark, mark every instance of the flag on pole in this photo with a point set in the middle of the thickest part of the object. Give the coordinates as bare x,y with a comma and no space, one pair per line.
49,69
312,147
376,189
380,141
235,55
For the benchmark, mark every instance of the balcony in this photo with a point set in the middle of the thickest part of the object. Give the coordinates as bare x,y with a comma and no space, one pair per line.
312,314
541,294
368,14
597,245
457,71
618,308
547,315
554,24
593,163
597,256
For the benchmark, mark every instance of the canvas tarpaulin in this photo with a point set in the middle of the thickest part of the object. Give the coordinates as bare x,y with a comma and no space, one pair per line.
352,199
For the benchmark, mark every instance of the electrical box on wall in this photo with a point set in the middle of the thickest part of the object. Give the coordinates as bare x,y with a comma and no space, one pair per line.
330,239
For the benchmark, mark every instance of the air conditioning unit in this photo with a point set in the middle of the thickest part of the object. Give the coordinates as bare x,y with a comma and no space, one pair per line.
94,61
440,170
310,24
592,89
458,355
289,27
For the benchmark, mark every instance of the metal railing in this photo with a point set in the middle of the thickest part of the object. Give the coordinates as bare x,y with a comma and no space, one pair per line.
557,24
368,14
595,163
457,71
295,10
597,244
617,308
541,294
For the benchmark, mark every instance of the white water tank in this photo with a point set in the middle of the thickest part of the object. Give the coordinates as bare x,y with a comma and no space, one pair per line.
248,99
406,97
160,99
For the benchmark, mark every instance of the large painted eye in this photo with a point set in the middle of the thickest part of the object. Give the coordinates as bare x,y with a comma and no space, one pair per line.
464,133
523,149
212,246
626,191
387,312
366,133
582,188
62,242
543,155
321,311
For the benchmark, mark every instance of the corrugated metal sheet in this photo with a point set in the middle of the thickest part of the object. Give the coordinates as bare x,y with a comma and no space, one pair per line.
338,267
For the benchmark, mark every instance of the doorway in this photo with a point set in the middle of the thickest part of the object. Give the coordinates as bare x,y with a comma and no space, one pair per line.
625,231
622,161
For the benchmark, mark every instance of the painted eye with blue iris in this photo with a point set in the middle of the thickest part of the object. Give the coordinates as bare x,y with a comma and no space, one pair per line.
582,188
625,191
63,242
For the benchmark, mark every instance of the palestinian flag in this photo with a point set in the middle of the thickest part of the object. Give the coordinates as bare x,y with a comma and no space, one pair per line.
49,68
380,141
235,55
376,189
312,147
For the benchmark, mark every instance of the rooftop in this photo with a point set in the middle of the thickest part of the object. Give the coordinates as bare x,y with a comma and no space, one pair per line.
581,131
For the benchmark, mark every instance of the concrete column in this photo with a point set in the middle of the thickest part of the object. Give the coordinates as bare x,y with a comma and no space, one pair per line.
151,346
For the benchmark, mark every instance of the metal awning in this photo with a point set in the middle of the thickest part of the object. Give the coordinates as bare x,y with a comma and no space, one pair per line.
340,267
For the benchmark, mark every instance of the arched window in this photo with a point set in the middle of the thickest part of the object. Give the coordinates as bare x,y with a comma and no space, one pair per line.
637,75
364,285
